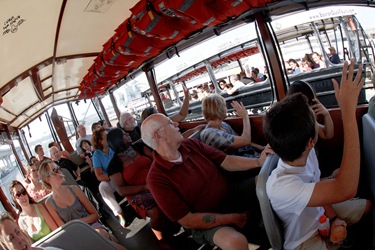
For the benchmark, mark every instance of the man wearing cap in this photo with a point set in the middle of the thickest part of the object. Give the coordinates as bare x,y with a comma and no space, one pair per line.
334,58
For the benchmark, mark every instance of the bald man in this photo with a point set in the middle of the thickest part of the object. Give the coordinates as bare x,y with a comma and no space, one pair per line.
186,182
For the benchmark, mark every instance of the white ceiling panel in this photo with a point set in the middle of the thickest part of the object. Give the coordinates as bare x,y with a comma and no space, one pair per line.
27,26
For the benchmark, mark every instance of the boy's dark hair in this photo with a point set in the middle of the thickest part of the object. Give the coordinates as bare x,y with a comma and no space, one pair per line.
304,88
51,144
289,125
36,148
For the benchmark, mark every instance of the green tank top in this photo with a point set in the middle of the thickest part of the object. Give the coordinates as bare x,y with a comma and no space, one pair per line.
43,230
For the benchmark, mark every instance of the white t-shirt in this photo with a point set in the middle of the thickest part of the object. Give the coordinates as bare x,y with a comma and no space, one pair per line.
289,190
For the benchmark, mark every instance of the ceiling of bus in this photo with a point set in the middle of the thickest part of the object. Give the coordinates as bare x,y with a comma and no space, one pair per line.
47,48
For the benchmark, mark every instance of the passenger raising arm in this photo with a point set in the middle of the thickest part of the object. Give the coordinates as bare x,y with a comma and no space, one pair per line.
345,185
294,187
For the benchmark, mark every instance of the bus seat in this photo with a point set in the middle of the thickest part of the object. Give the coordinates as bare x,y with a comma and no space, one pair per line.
196,135
69,180
75,235
76,159
368,135
271,221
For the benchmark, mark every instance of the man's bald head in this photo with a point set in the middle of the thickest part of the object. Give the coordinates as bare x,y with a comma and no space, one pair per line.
149,126
55,153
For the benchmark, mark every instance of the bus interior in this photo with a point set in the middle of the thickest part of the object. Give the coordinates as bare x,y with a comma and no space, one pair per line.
65,63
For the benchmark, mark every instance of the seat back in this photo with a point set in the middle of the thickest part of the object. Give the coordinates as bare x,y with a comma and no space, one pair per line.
368,138
76,159
271,221
69,180
75,235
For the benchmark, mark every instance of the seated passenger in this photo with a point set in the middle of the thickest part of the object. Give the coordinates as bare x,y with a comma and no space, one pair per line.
218,133
127,173
81,131
101,158
88,151
254,76
307,63
40,153
334,57
69,202
237,84
33,185
294,188
319,63
95,126
260,76
295,66
130,125
104,124
326,130
73,169
188,186
64,153
223,85
33,218
13,238
194,96
84,178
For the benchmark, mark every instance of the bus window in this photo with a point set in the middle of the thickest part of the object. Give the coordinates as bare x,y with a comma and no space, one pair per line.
129,96
86,114
317,44
200,67
38,132
20,153
9,170
63,111
109,109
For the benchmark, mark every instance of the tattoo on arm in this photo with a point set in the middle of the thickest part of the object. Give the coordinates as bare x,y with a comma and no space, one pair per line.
209,219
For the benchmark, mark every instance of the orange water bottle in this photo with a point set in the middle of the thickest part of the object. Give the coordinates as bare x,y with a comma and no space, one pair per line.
324,227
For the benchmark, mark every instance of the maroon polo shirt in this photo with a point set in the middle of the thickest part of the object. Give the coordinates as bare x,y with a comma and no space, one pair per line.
195,185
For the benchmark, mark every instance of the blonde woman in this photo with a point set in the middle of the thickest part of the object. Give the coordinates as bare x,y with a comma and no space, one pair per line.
13,238
33,218
220,134
33,185
68,202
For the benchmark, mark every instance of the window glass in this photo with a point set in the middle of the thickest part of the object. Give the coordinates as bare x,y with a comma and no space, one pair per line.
19,150
132,96
202,66
316,43
38,132
107,103
63,111
86,114
9,170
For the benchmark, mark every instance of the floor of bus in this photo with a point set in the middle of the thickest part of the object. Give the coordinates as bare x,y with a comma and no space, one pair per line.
138,235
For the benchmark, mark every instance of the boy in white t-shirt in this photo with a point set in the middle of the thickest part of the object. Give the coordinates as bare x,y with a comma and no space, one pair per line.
294,187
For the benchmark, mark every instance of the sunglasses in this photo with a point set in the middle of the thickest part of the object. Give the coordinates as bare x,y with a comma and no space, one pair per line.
19,193
55,170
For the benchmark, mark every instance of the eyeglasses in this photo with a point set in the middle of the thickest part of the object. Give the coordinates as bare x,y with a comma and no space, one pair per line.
170,122
19,193
55,170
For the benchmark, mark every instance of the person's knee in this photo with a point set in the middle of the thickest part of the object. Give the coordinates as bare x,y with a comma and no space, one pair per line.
229,238
104,188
